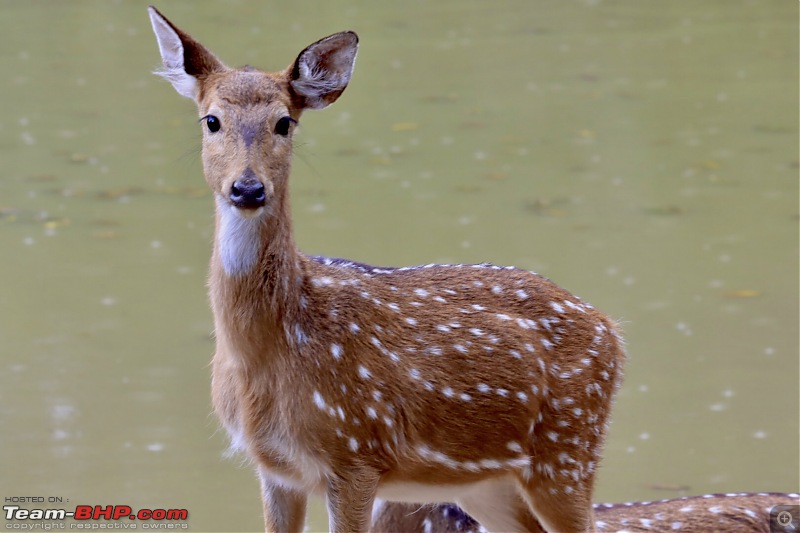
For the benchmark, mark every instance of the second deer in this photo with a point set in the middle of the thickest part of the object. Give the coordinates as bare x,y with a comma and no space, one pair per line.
762,512
485,385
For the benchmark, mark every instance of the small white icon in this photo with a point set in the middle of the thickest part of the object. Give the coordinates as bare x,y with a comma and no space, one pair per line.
784,518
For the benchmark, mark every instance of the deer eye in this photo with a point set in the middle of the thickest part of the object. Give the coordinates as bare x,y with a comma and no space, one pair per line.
283,125
212,123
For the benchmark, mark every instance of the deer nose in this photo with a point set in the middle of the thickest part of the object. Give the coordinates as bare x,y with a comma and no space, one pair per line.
248,194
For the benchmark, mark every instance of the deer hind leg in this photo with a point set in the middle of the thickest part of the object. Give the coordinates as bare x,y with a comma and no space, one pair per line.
350,498
559,484
559,512
496,504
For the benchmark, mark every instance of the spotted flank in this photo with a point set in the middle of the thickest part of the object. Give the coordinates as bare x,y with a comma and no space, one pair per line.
723,513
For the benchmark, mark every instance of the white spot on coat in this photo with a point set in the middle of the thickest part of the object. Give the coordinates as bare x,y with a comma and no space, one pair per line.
514,446
318,400
336,351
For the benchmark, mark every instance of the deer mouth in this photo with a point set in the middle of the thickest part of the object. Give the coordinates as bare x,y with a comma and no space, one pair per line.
230,208
249,212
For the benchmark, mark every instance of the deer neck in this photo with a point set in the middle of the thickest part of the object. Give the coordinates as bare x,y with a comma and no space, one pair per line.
256,273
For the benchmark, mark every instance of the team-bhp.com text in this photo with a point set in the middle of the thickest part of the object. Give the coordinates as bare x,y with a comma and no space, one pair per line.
94,517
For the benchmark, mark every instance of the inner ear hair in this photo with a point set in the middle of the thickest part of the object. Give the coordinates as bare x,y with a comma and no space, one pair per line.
322,71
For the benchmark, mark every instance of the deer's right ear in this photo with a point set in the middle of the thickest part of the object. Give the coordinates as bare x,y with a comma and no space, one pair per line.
185,60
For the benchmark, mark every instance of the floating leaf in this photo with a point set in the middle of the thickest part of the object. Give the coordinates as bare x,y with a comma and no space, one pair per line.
708,164
472,125
497,175
773,129
79,158
546,206
382,160
405,126
9,214
666,210
668,486
57,223
743,293
42,178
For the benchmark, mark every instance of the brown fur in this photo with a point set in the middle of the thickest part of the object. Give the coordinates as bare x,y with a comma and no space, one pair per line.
724,513
348,380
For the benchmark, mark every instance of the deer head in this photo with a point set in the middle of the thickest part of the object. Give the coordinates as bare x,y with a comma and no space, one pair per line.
248,115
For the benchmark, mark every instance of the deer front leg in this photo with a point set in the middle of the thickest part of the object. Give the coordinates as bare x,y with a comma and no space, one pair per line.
284,509
350,499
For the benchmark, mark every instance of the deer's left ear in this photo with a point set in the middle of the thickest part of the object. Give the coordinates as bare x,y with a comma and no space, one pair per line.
186,62
322,71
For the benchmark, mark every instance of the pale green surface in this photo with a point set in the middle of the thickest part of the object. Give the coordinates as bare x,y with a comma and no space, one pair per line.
641,154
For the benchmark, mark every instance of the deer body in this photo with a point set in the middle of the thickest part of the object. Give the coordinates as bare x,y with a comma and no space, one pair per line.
489,386
721,513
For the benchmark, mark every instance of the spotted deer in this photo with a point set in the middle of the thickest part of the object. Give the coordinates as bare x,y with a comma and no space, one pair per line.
762,512
485,385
